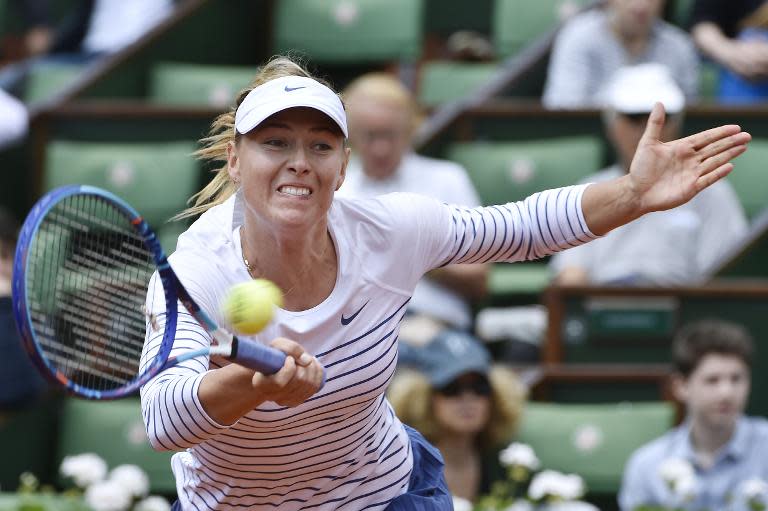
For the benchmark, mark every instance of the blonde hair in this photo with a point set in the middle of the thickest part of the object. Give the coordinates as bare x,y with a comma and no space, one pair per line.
385,88
222,132
410,394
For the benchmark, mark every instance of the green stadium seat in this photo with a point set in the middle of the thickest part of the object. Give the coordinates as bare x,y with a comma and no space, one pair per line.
592,440
114,430
517,23
444,81
750,179
27,440
172,83
510,171
350,31
155,178
681,12
47,79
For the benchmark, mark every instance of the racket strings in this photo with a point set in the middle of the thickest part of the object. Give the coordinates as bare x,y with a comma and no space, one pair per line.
87,277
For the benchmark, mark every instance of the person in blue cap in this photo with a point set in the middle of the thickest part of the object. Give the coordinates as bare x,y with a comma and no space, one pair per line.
463,404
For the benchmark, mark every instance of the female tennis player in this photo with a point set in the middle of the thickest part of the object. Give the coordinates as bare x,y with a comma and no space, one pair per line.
347,269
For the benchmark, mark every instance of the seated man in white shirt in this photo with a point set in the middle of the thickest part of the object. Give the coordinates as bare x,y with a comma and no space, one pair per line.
382,116
675,247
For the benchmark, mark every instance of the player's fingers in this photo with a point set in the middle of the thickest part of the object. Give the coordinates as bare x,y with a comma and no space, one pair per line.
714,176
293,349
723,144
704,138
717,161
284,376
655,123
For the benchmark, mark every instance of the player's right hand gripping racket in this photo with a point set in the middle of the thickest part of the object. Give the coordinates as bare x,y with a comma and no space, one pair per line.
83,262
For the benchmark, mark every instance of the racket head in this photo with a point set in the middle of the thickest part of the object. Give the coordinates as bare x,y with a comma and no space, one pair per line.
80,259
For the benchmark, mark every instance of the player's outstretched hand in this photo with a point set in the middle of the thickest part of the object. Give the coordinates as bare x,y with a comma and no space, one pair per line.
664,175
298,380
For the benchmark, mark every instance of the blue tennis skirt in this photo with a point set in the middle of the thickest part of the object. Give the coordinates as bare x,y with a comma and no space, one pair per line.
427,489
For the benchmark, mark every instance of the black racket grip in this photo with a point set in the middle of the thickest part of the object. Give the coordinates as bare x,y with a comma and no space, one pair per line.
263,359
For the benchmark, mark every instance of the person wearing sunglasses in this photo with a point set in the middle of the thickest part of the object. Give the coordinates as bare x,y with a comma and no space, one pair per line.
463,404
675,247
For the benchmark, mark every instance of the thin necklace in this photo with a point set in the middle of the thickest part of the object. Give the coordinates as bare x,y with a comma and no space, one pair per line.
255,276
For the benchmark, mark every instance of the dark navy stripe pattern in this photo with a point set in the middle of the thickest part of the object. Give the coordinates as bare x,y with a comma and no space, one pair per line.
343,448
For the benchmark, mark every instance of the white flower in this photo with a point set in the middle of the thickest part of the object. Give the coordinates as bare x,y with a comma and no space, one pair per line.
754,491
108,496
673,469
460,504
576,505
520,505
520,455
132,478
685,489
84,469
155,503
680,478
552,483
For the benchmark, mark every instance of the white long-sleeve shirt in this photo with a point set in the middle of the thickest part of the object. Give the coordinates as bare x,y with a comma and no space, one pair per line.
343,448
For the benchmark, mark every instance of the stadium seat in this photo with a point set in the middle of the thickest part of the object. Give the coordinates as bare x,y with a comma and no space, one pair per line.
681,13
48,79
510,171
350,31
155,178
516,23
749,179
173,83
114,430
443,81
594,440
27,440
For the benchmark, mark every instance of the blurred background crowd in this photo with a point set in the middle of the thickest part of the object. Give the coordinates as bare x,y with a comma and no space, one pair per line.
585,357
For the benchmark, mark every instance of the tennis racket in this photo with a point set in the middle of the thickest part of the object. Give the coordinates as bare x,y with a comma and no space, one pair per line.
82,266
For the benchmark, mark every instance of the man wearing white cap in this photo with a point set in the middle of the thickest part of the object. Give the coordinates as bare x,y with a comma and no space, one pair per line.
673,247
347,268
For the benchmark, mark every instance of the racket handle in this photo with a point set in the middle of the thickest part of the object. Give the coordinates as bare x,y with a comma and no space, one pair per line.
257,356
263,359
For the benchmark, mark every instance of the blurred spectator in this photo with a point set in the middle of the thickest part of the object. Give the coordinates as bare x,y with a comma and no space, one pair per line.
20,383
734,34
465,407
94,28
382,117
675,247
14,119
594,45
710,461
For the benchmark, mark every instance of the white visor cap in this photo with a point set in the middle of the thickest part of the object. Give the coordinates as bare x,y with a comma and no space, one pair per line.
288,92
635,89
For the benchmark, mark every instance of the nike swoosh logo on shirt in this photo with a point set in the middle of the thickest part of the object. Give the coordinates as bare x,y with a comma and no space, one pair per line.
346,321
291,89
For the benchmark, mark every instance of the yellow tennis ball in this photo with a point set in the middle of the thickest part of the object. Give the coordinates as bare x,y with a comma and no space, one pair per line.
249,306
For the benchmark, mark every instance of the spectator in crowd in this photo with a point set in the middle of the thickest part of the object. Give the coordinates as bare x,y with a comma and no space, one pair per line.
466,407
94,28
709,460
734,34
675,247
20,383
594,45
382,117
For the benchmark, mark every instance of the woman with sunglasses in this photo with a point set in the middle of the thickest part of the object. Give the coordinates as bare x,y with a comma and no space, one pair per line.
465,406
